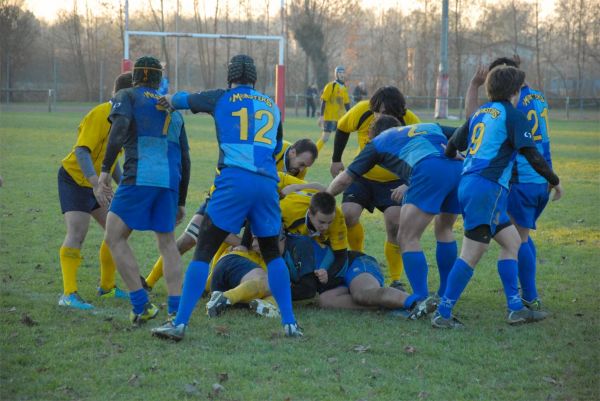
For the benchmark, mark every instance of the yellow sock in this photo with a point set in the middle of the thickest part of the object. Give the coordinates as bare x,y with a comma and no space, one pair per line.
356,237
107,268
320,144
156,273
394,260
70,259
247,291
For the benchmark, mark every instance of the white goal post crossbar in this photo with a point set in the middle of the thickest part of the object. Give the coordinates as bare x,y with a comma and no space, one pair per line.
279,71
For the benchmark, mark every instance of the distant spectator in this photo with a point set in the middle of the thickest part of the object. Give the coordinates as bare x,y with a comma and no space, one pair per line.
311,95
359,93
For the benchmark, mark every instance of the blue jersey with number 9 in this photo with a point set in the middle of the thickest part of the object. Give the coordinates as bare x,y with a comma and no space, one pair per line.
247,122
496,132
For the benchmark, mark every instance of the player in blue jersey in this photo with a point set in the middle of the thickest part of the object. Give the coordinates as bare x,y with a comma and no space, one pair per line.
414,153
153,188
249,133
528,194
493,137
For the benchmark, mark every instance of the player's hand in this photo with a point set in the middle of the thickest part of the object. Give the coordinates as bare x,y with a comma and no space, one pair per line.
558,192
180,215
103,190
320,122
165,101
336,168
457,155
398,193
322,275
480,74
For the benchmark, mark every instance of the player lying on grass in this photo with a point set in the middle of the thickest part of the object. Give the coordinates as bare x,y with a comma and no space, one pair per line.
293,159
415,154
77,188
529,192
374,188
493,136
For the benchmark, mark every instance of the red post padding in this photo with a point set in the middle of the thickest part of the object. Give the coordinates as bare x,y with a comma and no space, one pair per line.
126,65
280,89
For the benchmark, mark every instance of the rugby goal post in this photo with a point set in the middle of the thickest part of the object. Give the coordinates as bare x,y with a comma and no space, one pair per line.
127,64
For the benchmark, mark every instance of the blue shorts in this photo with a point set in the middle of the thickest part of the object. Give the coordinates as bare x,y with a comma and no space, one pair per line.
329,126
74,197
241,195
483,202
146,208
363,264
433,185
371,194
229,271
526,203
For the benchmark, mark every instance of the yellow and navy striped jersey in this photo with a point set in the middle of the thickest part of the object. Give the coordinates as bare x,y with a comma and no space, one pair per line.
358,119
92,134
335,96
226,249
294,210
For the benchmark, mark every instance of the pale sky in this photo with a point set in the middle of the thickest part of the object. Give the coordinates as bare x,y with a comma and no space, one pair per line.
48,9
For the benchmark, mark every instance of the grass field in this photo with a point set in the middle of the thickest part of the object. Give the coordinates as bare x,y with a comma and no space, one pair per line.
50,353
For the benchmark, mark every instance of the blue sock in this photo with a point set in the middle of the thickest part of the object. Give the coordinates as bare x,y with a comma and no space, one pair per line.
173,303
415,267
508,270
411,300
138,299
445,254
527,270
193,286
459,277
532,246
279,283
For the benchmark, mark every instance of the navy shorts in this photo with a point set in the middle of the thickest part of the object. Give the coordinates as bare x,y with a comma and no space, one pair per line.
146,208
526,203
229,271
329,126
241,195
74,197
433,185
483,202
363,264
371,194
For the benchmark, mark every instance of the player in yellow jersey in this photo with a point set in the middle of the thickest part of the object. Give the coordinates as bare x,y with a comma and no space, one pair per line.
293,159
335,101
373,189
78,193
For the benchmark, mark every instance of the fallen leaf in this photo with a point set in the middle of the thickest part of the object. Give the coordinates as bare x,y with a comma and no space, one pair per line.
361,348
423,395
222,377
363,361
133,379
191,389
28,321
276,367
579,314
409,349
332,360
551,380
222,331
579,221
13,309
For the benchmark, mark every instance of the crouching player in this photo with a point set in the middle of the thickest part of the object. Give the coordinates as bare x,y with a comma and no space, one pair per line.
415,154
493,136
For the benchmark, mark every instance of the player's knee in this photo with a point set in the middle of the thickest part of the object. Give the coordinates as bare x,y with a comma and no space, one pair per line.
482,234
269,248
210,238
406,236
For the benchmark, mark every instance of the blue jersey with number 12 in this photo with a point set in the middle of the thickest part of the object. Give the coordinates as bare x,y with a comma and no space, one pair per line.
496,132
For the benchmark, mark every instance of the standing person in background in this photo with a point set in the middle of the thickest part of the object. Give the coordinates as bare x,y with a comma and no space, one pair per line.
310,97
335,102
153,190
359,93
77,189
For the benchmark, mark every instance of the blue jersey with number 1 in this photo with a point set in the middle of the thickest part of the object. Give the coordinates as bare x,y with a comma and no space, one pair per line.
496,132
534,106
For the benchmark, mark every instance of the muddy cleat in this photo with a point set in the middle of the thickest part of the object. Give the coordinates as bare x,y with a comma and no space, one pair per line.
264,308
439,322
75,301
536,304
150,312
169,331
399,285
114,292
423,308
217,304
292,330
525,315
